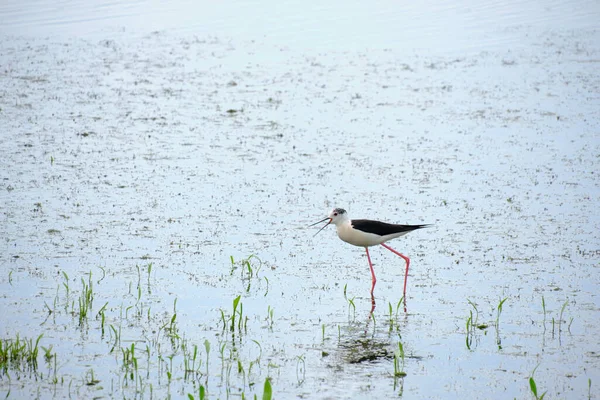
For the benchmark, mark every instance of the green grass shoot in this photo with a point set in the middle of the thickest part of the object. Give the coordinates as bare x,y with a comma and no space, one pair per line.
533,386
399,361
19,354
267,390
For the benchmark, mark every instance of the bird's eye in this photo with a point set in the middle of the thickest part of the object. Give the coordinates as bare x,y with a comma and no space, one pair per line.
335,214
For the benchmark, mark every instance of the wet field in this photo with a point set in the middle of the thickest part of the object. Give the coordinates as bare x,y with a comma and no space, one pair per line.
156,190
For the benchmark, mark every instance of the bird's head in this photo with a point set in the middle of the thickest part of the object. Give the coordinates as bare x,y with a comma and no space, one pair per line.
336,216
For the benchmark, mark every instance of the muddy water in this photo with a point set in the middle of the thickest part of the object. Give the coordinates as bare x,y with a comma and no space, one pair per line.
182,148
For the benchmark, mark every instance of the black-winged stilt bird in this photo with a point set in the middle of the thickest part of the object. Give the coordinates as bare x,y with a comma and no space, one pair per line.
366,233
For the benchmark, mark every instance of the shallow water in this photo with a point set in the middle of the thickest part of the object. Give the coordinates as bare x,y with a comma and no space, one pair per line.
124,147
432,26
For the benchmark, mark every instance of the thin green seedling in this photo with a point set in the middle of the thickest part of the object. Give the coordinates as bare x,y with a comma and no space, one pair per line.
102,315
472,324
66,284
391,320
323,333
85,299
223,320
398,306
345,291
470,321
267,389
32,351
499,311
249,286
103,274
148,361
195,355
207,348
56,297
469,330
351,304
127,311
90,380
189,361
228,369
50,310
533,386
10,277
399,361
222,351
300,369
248,270
241,316
560,317
55,370
257,360
374,323
544,310
149,273
248,266
250,366
172,329
236,315
129,358
256,269
139,275
267,289
236,301
399,385
241,371
270,315
48,353
117,337
170,368
474,321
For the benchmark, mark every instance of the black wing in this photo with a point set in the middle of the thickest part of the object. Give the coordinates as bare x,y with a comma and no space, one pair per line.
383,228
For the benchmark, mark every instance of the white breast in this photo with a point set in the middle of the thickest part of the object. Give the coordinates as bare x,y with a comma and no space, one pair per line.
358,238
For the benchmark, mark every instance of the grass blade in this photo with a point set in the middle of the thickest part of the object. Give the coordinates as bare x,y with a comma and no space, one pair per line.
268,391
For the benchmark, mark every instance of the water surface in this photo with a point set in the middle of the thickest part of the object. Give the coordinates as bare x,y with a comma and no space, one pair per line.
179,135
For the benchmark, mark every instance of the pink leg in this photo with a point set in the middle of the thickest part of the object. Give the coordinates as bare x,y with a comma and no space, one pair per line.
405,259
372,271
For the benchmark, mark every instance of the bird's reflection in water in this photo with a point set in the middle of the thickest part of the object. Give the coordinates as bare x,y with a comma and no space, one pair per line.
374,304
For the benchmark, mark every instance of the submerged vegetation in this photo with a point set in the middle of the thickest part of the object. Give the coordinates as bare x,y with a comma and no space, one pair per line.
151,348
154,354
21,355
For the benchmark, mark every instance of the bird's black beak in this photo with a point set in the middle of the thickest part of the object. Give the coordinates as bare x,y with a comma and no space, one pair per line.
324,219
